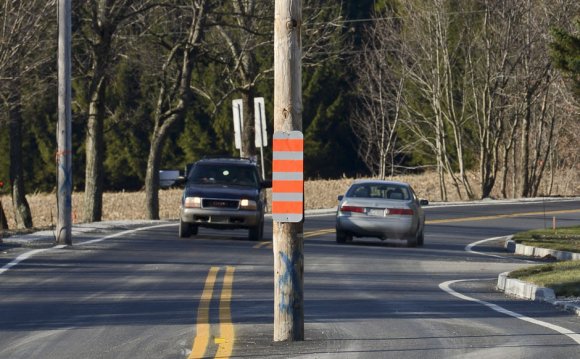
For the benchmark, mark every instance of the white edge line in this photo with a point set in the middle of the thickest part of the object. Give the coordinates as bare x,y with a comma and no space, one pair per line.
445,286
469,249
26,255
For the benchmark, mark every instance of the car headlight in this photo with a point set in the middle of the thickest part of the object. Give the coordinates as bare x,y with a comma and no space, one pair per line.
192,202
248,204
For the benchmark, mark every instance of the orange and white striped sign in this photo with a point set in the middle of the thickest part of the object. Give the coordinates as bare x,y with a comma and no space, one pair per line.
288,176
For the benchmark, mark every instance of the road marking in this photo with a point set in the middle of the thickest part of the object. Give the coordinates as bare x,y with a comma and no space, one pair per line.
320,232
469,248
226,339
513,215
26,255
202,332
446,287
262,244
227,334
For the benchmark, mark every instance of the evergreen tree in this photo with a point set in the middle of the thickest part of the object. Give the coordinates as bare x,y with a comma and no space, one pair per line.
566,55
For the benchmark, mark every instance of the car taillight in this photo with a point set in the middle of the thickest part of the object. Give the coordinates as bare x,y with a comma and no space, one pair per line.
352,209
399,211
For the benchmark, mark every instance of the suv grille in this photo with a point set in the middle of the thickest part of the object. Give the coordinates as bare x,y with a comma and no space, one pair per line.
220,203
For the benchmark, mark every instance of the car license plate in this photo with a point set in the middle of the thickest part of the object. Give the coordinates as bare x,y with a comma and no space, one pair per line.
376,212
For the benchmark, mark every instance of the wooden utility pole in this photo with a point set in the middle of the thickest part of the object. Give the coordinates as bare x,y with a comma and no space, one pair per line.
64,153
288,237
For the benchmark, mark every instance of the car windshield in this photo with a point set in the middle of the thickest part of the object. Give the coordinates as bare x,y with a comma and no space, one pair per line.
223,174
379,190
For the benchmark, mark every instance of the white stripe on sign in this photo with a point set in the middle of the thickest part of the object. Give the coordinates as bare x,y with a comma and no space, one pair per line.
295,197
281,155
287,176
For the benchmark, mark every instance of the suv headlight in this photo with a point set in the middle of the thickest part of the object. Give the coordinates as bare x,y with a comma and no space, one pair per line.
248,204
192,202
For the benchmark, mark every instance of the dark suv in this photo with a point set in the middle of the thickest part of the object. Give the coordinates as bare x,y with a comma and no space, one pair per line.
223,193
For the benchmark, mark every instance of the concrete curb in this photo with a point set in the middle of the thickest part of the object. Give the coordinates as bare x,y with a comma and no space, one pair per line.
531,251
524,290
521,289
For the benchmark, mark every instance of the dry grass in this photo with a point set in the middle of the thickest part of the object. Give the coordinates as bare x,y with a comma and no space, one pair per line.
318,194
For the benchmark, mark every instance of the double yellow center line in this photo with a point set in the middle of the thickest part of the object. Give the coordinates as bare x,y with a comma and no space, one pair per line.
225,340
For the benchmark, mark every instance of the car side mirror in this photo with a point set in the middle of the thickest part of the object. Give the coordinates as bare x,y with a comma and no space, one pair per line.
423,202
180,180
340,197
266,184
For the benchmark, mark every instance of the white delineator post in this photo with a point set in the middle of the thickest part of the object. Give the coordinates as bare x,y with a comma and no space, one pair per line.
288,236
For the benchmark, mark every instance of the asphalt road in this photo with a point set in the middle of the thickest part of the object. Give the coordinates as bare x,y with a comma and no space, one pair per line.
128,293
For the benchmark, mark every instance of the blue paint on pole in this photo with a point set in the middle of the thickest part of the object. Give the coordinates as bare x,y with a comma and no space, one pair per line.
290,276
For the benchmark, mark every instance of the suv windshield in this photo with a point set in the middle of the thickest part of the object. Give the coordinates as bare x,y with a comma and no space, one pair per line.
224,174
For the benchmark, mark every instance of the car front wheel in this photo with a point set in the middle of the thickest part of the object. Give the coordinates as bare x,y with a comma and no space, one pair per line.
421,238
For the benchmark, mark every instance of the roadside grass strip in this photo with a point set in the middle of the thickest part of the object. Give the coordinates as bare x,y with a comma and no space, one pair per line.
446,287
560,239
562,277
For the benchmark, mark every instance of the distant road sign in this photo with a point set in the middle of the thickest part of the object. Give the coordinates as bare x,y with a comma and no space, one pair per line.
260,123
238,115
288,176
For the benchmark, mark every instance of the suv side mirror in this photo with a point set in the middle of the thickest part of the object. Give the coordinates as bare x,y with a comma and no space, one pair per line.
423,202
180,180
266,184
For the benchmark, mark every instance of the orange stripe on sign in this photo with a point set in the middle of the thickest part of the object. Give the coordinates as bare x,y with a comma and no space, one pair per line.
291,145
280,186
287,166
281,207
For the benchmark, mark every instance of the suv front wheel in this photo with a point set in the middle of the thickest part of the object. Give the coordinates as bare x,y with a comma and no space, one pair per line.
256,233
186,229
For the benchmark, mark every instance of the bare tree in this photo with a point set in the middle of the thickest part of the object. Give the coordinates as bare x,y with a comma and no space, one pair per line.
375,120
538,92
247,31
427,59
244,34
100,22
22,27
183,26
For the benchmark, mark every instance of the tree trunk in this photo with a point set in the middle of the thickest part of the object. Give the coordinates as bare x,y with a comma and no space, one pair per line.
93,204
3,219
525,150
248,145
20,204
152,175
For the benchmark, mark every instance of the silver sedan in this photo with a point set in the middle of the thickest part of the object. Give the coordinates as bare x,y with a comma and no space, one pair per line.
383,209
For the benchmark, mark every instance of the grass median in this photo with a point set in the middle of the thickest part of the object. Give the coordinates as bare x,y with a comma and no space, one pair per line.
562,277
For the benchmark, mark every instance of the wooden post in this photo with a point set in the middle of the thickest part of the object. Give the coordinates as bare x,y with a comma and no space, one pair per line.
288,237
64,132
